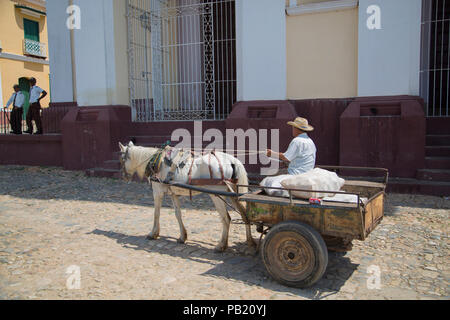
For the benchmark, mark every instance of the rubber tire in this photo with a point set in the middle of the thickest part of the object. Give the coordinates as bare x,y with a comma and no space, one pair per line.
313,238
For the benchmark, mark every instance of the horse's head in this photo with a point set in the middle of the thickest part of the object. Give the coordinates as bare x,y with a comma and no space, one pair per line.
126,169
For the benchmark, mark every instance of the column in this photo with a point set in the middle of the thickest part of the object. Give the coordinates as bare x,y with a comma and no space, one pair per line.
389,47
261,49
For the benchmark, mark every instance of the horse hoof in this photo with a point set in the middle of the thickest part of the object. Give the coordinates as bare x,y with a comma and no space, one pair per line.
151,237
220,249
252,244
181,241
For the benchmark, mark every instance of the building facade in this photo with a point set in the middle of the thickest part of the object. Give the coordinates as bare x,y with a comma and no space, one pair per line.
245,50
23,47
372,76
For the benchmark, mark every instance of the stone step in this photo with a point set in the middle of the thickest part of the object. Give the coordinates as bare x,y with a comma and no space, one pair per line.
139,140
157,141
103,173
437,163
433,175
438,125
414,186
437,151
438,140
111,164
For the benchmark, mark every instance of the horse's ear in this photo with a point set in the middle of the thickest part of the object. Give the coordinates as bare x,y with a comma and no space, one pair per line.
122,147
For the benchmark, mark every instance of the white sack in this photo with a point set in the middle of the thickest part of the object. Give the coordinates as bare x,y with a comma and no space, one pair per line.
276,183
316,179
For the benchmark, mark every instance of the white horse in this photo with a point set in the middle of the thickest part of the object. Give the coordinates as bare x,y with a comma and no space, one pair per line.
180,166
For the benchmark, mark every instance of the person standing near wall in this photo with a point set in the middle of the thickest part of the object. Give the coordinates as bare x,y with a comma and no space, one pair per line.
34,112
17,100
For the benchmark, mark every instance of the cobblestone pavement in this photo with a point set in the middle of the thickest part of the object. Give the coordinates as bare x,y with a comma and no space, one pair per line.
52,219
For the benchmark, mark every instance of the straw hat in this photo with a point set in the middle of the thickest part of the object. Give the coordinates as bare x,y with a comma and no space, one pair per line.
302,124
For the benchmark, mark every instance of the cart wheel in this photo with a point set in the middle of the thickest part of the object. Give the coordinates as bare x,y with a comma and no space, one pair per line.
295,254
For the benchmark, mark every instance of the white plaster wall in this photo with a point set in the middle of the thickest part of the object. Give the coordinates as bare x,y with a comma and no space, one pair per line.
389,58
94,53
59,51
261,49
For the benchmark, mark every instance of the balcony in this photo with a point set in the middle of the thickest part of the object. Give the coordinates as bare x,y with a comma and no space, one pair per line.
34,48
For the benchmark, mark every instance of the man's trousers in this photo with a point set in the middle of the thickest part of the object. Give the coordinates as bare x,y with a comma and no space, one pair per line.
34,113
16,120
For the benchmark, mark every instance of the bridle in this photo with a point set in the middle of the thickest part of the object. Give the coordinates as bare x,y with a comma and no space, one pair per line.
123,159
152,168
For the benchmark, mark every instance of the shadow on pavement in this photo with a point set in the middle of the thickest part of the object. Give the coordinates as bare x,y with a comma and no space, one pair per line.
234,265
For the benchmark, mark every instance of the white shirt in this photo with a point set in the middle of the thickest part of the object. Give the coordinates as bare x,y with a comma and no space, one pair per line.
35,93
20,100
302,155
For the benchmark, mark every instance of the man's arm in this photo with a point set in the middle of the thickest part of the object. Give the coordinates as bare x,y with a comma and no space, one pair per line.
9,101
277,155
43,95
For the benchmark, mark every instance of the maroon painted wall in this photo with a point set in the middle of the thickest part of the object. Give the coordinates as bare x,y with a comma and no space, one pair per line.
31,150
91,135
324,115
375,131
262,115
386,132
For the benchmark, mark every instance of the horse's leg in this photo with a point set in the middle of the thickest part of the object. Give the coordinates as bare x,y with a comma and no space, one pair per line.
177,207
158,195
248,228
248,231
226,220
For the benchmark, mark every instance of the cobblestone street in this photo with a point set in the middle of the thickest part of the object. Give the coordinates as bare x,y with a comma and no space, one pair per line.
52,219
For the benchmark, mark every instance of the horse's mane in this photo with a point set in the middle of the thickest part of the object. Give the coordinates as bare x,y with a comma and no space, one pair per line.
140,157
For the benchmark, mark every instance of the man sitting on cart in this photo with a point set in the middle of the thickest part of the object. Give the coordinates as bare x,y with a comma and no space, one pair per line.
301,154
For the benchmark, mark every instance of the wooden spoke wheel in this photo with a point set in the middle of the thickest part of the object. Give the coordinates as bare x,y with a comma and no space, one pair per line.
295,254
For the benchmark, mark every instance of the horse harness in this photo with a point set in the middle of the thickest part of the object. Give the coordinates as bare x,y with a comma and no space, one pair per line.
154,166
211,180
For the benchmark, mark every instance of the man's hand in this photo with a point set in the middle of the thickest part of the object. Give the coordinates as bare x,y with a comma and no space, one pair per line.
276,155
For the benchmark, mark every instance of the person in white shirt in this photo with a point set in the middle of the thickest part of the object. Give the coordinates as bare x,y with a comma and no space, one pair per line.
301,156
17,100
34,112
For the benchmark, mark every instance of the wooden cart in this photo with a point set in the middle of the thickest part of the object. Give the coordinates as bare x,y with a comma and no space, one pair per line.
298,234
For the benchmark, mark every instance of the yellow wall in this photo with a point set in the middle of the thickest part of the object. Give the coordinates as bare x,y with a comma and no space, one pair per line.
12,70
11,38
322,55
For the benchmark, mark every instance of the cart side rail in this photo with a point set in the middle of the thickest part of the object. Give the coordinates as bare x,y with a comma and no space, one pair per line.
384,171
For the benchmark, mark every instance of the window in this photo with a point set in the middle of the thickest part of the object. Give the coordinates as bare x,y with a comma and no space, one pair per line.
182,59
31,29
435,64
